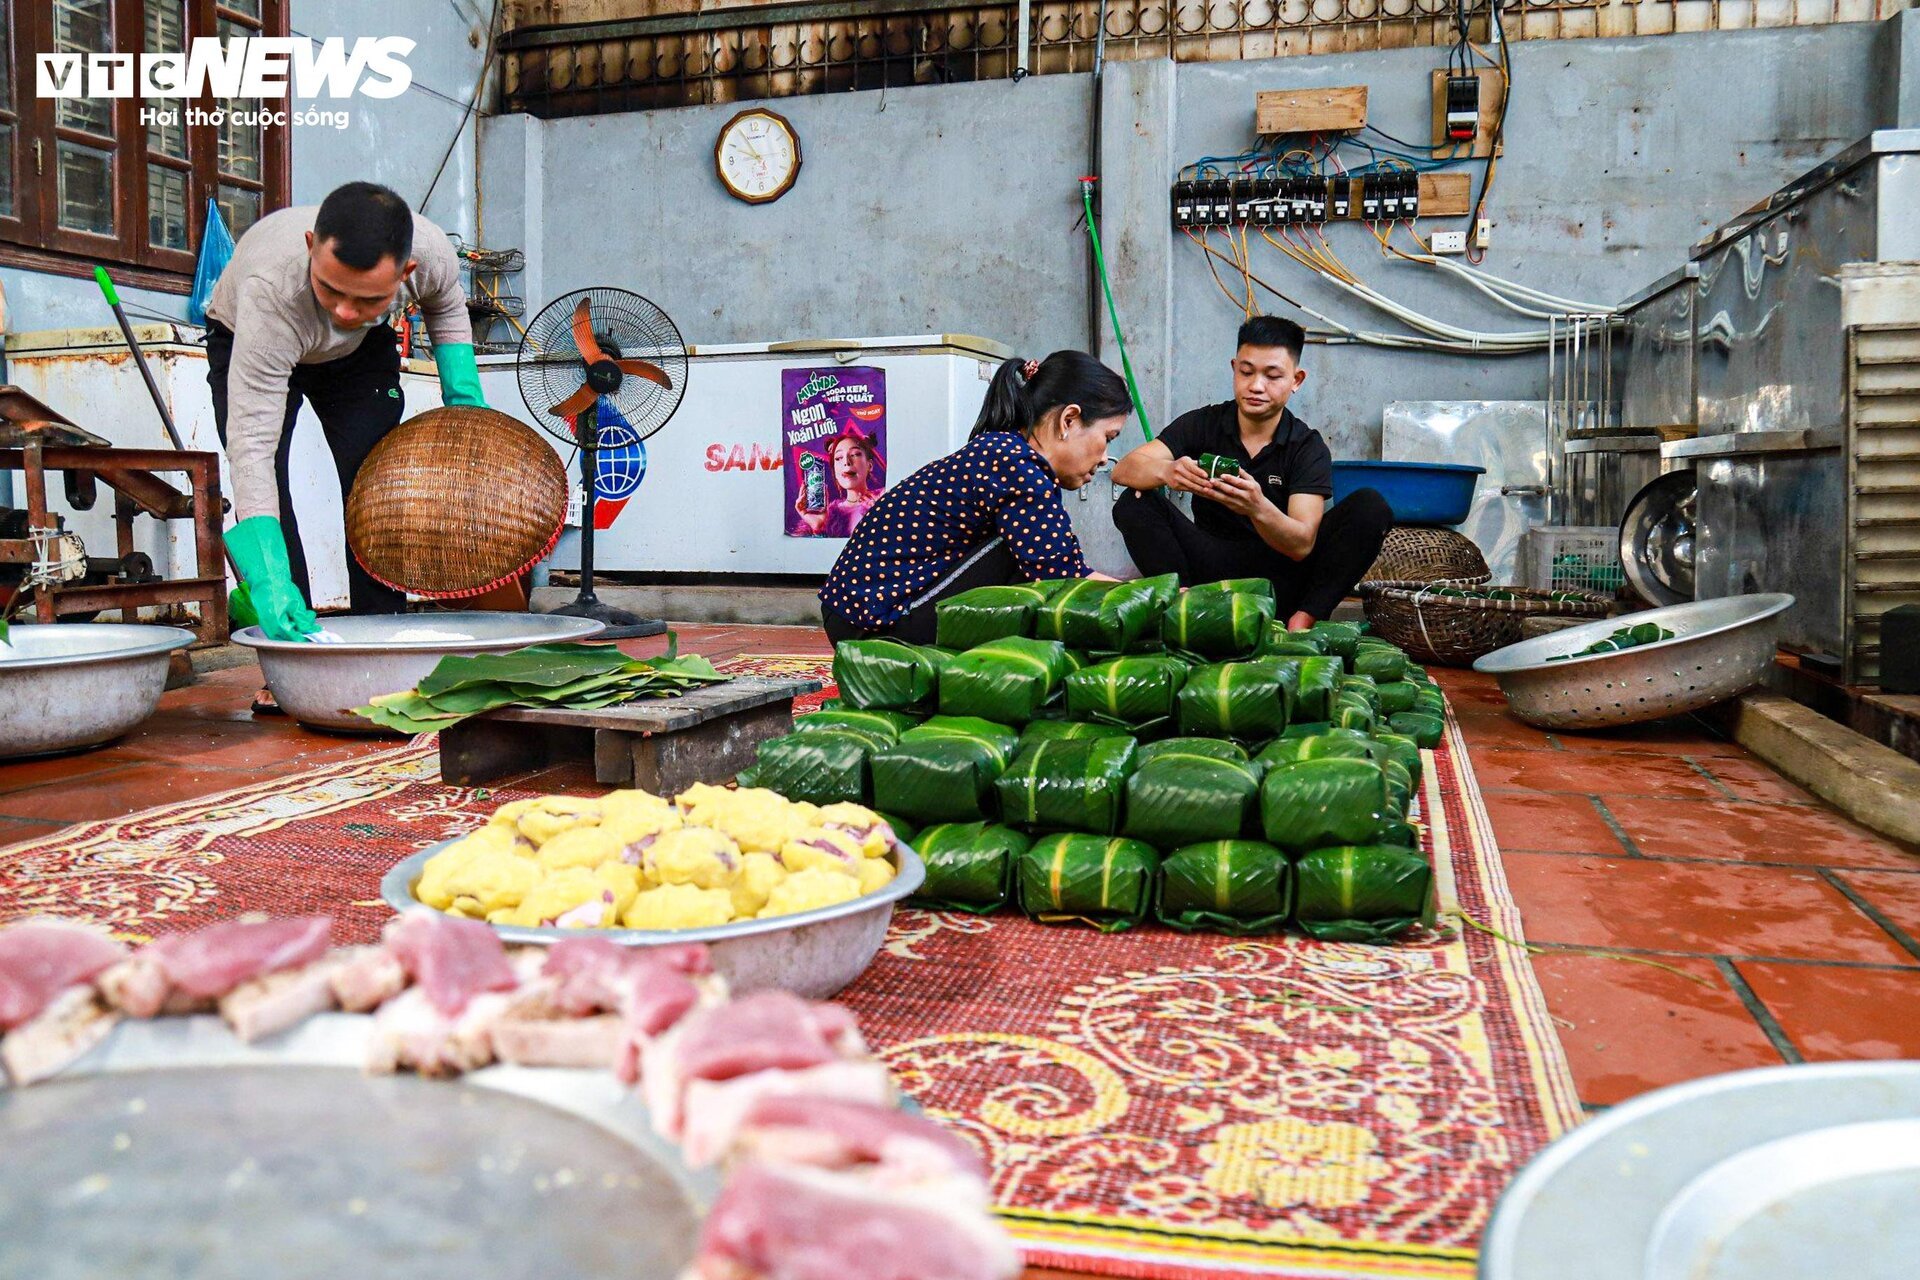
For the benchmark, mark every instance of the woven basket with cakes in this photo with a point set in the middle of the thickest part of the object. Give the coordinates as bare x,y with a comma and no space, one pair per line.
1418,553
1455,623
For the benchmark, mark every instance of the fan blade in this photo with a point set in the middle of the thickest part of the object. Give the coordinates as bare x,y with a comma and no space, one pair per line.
577,403
583,332
648,370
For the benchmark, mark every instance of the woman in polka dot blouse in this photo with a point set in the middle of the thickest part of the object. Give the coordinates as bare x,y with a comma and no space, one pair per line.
988,513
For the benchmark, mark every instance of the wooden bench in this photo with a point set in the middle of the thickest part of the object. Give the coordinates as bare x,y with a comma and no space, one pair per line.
663,745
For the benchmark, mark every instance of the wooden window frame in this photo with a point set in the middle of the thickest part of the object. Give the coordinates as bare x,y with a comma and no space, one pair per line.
33,240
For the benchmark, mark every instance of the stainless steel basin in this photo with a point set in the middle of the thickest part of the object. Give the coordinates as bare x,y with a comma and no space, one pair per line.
77,684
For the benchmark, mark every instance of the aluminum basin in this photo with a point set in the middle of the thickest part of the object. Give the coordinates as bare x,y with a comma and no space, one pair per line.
810,953
320,684
68,685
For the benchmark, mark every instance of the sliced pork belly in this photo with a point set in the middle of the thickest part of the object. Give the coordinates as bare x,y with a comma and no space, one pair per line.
273,1003
40,959
536,1032
773,1223
462,979
450,960
802,1126
713,1110
364,978
65,1028
190,972
410,1034
765,1031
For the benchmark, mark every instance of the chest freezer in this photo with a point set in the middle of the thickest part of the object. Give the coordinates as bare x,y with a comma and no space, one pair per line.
739,480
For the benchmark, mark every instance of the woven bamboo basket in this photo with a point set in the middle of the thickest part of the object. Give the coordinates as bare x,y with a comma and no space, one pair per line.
455,502
1417,553
1453,632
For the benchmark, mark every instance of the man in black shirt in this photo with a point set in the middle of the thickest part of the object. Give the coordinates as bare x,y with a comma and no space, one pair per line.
1269,519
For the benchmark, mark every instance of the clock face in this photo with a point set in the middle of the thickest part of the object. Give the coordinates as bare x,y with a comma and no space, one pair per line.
758,156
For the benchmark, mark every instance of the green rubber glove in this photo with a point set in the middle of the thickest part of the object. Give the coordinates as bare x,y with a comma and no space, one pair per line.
240,610
260,550
459,375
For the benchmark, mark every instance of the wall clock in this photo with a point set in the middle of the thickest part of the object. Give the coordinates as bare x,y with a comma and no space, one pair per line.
757,156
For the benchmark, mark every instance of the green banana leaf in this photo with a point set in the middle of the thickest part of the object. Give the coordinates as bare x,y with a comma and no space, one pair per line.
1397,746
1002,739
1133,692
1341,638
1399,785
1075,786
1236,887
1324,746
969,866
1106,617
1359,686
1417,674
1381,661
1208,623
890,723
940,778
1243,700
986,614
567,675
1203,748
1313,803
1397,696
1400,835
1364,893
1180,800
1281,642
885,674
1307,729
1072,615
1314,685
1424,729
1006,680
825,766
1245,586
1352,711
903,831
539,664
1067,731
1105,882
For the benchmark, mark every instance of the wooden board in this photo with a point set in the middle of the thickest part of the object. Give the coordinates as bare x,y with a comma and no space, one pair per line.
1492,86
1338,110
1442,195
665,715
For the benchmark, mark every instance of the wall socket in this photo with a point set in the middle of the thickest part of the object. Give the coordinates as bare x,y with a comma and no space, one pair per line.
1483,233
1449,242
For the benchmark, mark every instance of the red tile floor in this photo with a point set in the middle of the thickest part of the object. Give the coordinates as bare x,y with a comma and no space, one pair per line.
1779,930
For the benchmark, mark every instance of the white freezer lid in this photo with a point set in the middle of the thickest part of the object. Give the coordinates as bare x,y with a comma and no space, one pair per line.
846,350
155,339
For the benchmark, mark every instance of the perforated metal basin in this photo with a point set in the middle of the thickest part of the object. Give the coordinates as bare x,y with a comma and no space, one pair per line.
1720,649
69,685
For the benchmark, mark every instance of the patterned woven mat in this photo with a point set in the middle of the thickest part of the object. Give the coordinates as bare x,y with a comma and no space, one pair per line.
1154,1104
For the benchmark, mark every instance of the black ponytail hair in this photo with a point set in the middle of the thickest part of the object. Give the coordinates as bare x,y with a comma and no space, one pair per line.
1016,401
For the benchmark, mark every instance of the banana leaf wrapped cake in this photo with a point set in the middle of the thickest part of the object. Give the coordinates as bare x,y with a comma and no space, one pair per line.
969,865
1106,617
1008,681
1105,881
1244,700
889,723
1068,731
1397,696
1427,730
1361,893
1134,692
1315,803
1340,638
1207,748
1209,623
986,614
885,674
1236,887
942,772
1183,799
1380,660
825,766
1331,744
1075,786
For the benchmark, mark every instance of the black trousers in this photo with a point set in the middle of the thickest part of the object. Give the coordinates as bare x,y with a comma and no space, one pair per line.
358,400
1162,539
990,564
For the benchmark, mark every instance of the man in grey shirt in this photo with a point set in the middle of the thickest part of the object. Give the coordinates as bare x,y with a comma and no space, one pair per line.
300,314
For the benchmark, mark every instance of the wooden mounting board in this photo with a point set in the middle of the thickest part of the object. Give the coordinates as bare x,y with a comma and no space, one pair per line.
1492,87
1338,110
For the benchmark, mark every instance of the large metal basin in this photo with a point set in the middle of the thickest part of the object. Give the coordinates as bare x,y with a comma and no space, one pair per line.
811,953
77,684
320,684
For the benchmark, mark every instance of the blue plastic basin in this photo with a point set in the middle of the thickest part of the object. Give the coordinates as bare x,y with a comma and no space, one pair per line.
1418,492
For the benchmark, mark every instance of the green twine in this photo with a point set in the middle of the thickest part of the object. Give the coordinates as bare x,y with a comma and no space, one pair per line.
1113,312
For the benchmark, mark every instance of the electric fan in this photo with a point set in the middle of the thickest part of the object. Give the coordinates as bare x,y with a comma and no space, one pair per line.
594,352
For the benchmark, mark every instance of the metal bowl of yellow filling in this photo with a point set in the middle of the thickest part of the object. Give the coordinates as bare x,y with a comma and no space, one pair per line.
813,953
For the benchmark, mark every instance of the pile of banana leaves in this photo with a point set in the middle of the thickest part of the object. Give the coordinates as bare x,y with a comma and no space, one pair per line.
576,676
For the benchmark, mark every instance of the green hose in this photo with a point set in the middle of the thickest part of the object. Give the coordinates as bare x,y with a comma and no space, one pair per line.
1113,312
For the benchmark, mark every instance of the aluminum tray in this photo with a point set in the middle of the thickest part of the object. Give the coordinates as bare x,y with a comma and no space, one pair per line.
68,685
320,684
811,953
1784,1173
174,1150
1720,649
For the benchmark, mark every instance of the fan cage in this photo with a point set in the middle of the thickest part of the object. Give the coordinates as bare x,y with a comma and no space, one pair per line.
551,368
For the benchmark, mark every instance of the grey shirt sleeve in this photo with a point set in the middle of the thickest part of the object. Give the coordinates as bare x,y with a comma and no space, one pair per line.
266,346
436,283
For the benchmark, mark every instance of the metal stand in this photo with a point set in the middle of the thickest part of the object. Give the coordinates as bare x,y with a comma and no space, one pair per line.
620,624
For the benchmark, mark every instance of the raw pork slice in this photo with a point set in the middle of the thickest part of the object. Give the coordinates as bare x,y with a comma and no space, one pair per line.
410,1033
536,1032
71,1023
366,978
714,1109
208,963
40,959
766,1031
803,1127
280,1000
807,1224
450,960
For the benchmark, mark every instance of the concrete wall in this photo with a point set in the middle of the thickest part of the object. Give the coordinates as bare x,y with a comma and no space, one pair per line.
396,141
